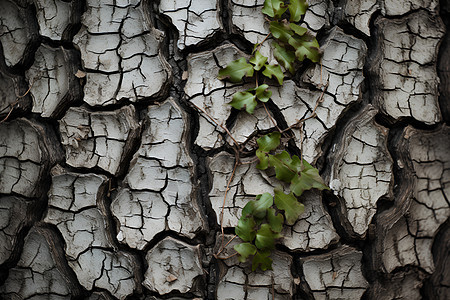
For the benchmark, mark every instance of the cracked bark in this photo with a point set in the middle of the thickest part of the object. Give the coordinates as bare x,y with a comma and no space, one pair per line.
112,182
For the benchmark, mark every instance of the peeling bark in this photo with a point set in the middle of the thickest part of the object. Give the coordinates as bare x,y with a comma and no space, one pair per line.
404,68
361,170
129,91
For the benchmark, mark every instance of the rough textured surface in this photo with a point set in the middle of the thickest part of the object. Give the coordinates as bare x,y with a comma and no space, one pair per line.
121,52
99,139
15,214
237,282
129,89
26,153
336,275
159,182
340,76
54,85
361,171
314,229
173,265
404,67
422,206
38,272
77,208
195,21
211,95
56,17
18,34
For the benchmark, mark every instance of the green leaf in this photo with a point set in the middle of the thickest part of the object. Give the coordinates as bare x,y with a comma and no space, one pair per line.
283,170
269,141
263,159
284,57
274,70
274,8
288,202
244,250
309,178
305,47
265,237
297,9
298,29
246,228
262,260
280,31
258,60
258,208
263,93
275,220
236,70
244,100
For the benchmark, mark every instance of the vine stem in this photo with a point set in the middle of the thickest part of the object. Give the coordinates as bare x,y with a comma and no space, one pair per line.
313,114
271,118
264,39
14,104
223,204
223,248
227,257
215,122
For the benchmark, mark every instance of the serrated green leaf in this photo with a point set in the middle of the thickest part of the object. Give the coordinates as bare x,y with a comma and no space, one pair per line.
275,220
245,100
274,70
283,170
284,57
280,31
263,93
236,70
258,60
245,250
265,237
246,228
274,8
298,29
262,260
258,208
269,141
288,202
309,178
297,8
305,47
263,159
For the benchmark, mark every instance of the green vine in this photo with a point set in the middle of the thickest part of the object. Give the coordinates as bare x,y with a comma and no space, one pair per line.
262,219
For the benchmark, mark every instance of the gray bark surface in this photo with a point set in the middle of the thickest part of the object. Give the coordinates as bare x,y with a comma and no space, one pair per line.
114,158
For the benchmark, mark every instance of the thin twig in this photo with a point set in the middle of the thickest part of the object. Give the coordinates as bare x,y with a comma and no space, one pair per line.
249,162
224,198
14,104
260,44
227,257
223,248
217,123
313,114
270,117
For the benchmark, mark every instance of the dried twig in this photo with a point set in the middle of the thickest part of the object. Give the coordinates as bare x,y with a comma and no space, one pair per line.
14,104
313,114
223,204
215,122
223,248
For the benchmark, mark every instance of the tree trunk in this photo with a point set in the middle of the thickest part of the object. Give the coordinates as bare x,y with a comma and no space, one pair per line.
116,147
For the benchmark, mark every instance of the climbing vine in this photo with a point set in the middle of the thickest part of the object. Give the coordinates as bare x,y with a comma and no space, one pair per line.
262,219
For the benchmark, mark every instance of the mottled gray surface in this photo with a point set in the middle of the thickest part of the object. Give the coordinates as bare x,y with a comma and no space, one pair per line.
115,156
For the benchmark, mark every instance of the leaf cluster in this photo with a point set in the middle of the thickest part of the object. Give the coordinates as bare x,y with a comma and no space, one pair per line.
260,224
293,43
262,219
